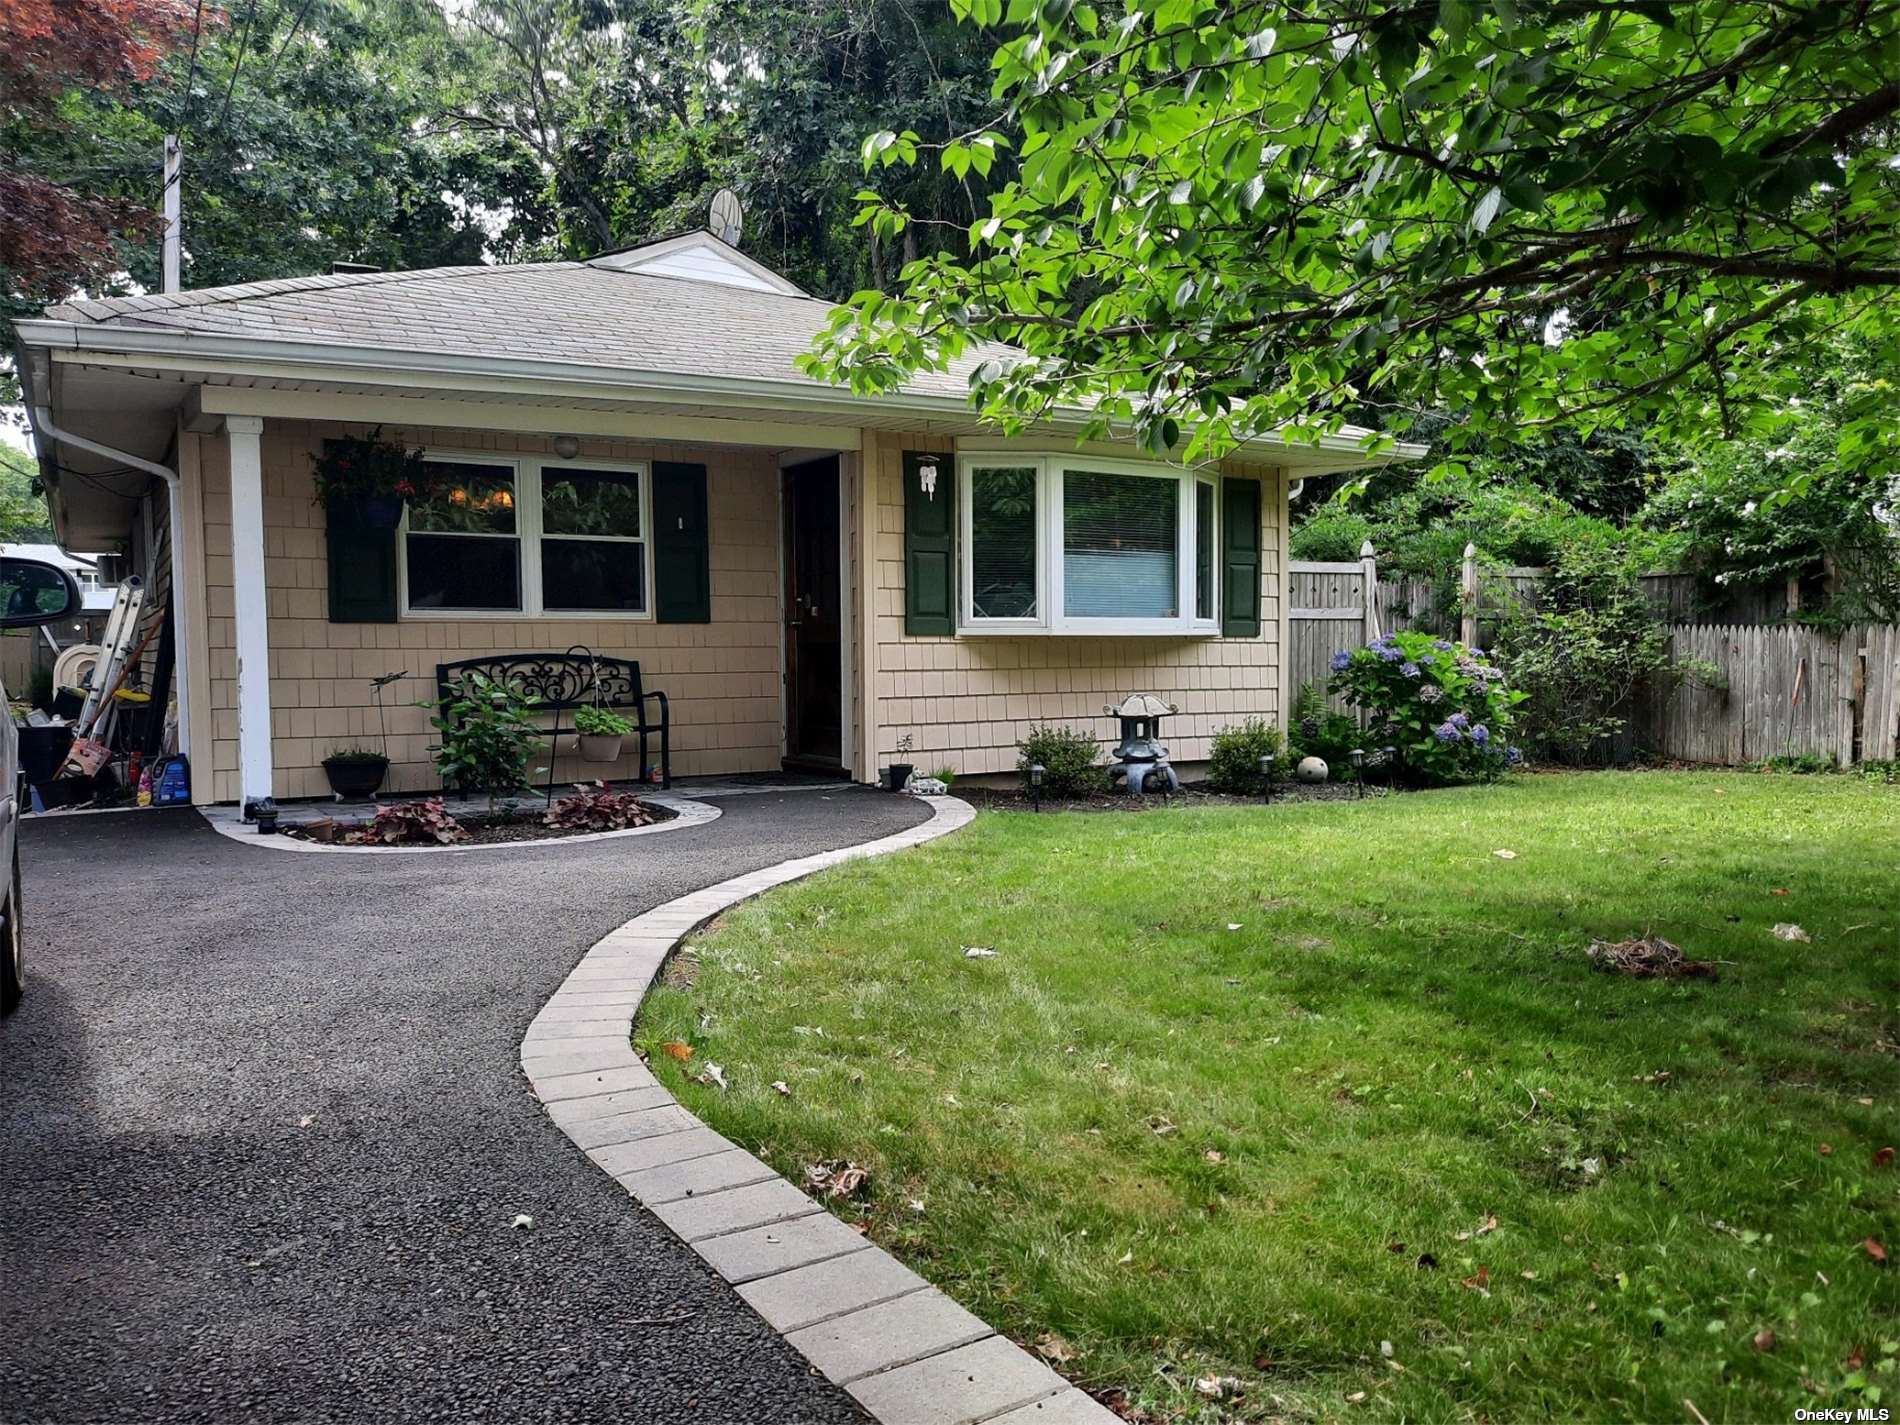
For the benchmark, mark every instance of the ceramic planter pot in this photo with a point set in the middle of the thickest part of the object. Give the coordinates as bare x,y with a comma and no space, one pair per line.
354,778
897,775
598,748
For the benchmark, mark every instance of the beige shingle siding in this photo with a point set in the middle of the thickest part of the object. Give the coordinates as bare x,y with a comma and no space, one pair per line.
966,702
722,677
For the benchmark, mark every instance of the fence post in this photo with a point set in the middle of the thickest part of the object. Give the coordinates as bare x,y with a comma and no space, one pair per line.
1468,597
1369,579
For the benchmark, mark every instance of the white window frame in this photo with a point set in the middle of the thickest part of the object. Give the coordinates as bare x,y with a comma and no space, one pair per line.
1052,617
528,532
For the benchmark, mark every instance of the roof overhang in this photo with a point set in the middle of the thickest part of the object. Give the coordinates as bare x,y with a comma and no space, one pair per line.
125,386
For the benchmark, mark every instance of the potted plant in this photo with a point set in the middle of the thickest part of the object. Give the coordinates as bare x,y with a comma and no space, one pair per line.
363,481
355,773
358,772
897,775
601,731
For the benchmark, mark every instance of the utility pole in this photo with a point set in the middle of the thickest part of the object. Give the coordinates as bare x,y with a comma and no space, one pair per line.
174,161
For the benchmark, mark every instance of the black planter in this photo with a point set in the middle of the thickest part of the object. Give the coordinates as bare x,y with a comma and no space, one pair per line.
897,775
355,778
371,512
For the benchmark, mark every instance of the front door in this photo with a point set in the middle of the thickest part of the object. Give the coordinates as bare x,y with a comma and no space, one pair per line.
814,622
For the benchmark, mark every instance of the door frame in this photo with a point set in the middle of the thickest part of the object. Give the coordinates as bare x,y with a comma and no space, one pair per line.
848,466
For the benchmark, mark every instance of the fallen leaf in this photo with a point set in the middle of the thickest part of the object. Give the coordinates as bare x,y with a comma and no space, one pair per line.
1787,930
1873,1249
1481,1282
712,1074
1783,891
1125,1259
522,1221
1233,925
1504,855
1764,1340
1528,1276
1883,1157
310,1118
1214,1155
1052,1347
978,952
1385,1349
1864,1102
1856,1358
1395,1246
916,1204
1490,1225
1358,1397
1826,1150
1219,1387
674,1049
780,1087
1160,1126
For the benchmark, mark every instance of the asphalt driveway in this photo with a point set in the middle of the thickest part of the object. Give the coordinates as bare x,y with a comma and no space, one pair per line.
263,1135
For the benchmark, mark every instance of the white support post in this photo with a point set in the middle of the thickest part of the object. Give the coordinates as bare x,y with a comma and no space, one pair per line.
1468,597
253,631
170,242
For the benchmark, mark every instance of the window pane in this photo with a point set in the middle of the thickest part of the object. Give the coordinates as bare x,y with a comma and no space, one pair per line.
1119,546
594,575
449,571
590,501
465,498
1003,542
1203,550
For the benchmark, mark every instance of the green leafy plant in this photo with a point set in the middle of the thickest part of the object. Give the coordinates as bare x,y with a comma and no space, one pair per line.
403,823
1443,709
1880,769
356,754
593,807
354,468
1234,761
946,775
591,721
1320,731
1795,764
1070,759
488,733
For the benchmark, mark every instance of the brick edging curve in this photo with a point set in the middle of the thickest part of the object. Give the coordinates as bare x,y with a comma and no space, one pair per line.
902,1349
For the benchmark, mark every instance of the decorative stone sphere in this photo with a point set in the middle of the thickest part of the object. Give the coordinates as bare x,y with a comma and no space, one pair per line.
1312,769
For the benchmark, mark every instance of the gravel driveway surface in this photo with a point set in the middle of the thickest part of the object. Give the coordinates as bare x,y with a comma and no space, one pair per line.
263,1135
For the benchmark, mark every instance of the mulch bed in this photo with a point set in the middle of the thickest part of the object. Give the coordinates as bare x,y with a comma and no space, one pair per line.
483,830
1194,795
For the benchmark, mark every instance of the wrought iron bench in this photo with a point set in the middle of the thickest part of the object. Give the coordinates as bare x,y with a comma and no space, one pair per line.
561,682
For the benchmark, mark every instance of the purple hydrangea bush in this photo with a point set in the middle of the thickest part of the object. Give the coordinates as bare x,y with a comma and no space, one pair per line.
1445,708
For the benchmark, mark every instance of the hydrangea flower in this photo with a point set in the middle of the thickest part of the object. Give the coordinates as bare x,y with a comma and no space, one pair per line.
1477,653
1481,735
1341,660
1445,732
1460,721
1442,645
1410,670
1513,756
1430,693
1426,658
1391,654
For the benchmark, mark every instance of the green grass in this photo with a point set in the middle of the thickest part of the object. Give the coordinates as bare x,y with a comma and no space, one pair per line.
1402,1038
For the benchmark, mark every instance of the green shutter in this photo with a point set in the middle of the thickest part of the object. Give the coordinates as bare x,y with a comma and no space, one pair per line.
1240,563
682,563
362,573
929,544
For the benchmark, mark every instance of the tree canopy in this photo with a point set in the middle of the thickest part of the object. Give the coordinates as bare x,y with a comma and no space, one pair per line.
1231,216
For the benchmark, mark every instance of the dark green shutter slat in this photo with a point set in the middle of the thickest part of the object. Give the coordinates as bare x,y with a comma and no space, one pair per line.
362,573
682,561
1240,563
929,545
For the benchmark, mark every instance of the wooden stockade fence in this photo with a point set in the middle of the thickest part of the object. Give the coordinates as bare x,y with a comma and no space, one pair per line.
1783,689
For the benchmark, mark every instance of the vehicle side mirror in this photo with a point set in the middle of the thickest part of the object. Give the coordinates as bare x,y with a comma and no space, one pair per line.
33,592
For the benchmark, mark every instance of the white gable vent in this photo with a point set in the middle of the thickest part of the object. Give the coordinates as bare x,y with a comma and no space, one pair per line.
699,257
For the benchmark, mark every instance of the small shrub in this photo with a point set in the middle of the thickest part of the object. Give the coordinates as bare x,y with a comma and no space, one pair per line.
591,721
488,733
409,823
595,808
1795,764
1444,710
946,775
1070,758
1234,764
1880,769
1319,731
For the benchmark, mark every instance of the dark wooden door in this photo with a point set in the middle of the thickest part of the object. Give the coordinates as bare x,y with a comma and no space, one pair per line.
814,619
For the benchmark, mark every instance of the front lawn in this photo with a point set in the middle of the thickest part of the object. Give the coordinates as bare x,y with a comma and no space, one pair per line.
1329,1100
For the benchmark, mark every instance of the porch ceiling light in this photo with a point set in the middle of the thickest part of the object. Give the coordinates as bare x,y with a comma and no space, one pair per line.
567,446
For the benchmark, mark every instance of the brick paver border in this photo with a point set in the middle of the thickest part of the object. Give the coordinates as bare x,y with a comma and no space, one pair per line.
906,1352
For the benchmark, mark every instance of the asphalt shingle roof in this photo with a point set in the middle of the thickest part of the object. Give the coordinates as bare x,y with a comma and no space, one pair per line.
551,311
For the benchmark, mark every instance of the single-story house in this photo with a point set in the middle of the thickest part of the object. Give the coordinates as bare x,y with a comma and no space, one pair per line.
810,575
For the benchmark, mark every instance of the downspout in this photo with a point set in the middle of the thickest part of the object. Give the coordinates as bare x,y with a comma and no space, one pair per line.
45,435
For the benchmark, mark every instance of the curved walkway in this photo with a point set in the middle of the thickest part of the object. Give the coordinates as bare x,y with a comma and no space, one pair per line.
263,1135
905,1351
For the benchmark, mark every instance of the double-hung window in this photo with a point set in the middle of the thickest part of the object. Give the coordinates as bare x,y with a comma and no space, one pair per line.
1083,545
530,537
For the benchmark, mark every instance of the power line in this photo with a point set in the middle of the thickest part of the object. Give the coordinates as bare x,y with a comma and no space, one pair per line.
237,64
296,25
191,69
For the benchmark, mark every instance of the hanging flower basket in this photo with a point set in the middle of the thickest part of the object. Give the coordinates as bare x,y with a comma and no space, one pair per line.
363,481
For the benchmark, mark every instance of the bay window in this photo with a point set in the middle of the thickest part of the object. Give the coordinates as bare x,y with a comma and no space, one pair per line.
1078,544
527,536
